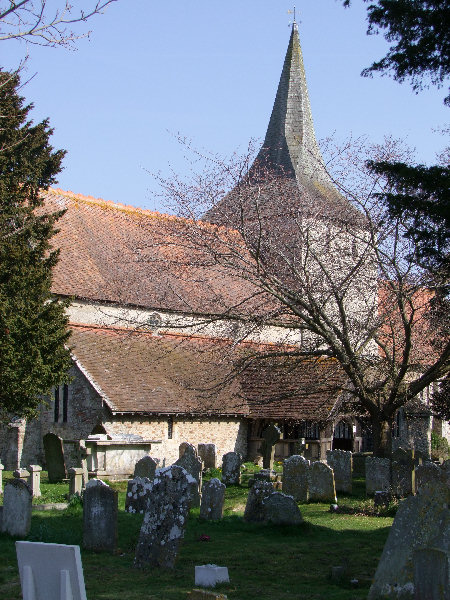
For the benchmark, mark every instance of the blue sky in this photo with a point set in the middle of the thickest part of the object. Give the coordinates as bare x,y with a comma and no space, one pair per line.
208,70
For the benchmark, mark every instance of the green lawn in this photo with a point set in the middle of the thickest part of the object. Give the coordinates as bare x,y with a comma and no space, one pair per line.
264,562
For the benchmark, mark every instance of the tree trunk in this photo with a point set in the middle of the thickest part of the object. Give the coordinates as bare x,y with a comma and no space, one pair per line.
382,437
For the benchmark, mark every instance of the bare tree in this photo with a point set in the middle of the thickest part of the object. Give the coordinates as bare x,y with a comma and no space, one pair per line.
44,25
338,272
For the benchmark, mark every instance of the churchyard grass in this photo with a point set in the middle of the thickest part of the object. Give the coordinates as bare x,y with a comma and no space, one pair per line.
264,561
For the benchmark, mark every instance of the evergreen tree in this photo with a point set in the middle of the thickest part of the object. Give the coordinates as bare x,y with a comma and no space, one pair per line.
33,325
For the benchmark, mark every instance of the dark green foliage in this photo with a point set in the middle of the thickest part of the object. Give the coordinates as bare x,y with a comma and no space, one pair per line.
420,32
33,325
440,401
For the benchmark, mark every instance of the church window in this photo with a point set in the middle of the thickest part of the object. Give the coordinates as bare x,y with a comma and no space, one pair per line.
56,410
309,430
343,431
61,393
169,428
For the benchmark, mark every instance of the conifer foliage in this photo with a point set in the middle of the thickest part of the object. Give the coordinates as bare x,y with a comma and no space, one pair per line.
33,325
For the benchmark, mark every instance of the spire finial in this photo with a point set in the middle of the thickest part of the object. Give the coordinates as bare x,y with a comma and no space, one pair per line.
294,22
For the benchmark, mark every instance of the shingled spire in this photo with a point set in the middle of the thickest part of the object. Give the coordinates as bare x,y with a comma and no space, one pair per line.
290,152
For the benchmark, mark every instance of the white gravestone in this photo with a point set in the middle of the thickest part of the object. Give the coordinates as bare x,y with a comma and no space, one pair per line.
210,575
50,571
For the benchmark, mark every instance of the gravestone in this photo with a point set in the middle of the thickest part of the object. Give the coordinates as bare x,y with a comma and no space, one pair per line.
270,436
50,571
213,496
378,476
34,480
431,574
231,468
17,508
75,481
193,465
254,509
100,508
54,457
1,478
321,483
165,519
421,521
281,509
21,474
426,474
145,467
208,454
184,446
295,477
138,493
341,461
403,463
210,575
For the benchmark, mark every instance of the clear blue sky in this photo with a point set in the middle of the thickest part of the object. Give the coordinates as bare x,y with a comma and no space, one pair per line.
208,70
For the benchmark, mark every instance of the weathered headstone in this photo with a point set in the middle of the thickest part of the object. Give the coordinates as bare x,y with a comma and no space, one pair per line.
75,481
403,464
231,468
321,483
17,508
431,574
213,496
145,467
100,509
138,492
341,462
165,519
427,474
254,509
185,446
281,509
21,474
421,521
54,457
295,477
34,480
208,454
270,436
193,465
377,475
210,575
1,478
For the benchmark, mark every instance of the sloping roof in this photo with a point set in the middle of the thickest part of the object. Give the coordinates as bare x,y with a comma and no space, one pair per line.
148,374
121,254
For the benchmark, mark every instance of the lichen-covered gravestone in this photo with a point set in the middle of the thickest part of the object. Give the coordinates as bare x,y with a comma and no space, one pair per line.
403,463
281,509
145,467
165,519
254,509
422,521
427,474
100,509
186,446
321,483
295,477
208,454
138,493
193,465
271,436
213,496
54,457
17,508
342,464
231,468
377,475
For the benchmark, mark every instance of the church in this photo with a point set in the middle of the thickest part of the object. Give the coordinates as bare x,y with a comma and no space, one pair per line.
157,332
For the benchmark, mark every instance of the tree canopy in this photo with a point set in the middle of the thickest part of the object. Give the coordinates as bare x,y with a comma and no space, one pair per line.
33,325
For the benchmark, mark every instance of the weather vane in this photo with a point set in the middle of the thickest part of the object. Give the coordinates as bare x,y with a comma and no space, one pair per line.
292,12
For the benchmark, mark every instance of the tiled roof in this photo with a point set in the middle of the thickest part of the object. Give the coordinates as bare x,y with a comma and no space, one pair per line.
121,254
142,373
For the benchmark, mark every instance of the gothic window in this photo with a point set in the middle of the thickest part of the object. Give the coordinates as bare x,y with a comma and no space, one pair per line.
309,430
343,431
61,405
169,428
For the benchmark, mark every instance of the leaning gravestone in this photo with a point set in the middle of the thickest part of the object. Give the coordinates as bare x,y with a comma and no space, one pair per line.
100,510
378,476
281,509
213,496
145,467
342,464
54,457
193,465
17,508
254,509
295,477
231,468
271,436
421,521
321,483
165,520
208,454
426,474
138,493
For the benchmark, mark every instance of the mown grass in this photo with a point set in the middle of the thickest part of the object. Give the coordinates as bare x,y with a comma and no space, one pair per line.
264,561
